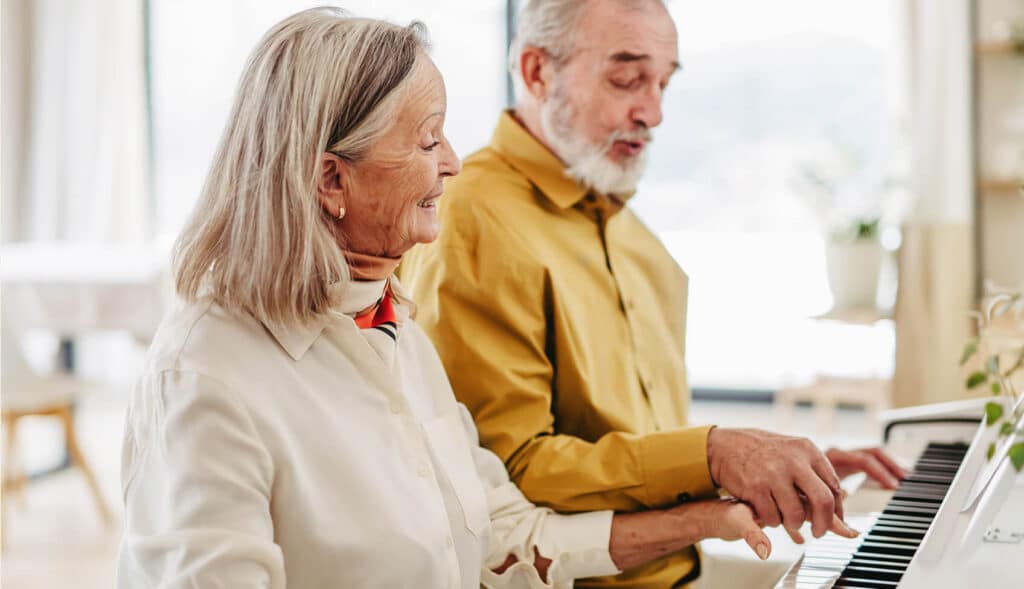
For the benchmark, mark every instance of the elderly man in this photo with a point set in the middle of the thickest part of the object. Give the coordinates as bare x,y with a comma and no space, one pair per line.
561,318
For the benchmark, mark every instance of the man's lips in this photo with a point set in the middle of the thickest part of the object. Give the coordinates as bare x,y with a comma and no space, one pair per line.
631,148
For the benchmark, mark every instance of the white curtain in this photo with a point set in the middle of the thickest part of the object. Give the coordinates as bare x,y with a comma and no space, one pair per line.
76,146
936,289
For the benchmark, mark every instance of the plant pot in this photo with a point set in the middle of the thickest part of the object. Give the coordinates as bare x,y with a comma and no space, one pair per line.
853,269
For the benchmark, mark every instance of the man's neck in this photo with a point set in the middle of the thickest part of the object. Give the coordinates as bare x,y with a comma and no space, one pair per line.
528,116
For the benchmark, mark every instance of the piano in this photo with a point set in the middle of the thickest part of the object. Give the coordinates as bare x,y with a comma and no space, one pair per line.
957,520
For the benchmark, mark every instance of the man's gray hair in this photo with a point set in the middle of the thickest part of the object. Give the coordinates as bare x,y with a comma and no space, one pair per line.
550,25
547,24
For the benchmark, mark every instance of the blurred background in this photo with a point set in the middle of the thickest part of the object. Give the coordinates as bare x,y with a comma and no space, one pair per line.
839,179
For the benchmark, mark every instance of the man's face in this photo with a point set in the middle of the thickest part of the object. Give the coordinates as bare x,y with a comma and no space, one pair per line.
607,97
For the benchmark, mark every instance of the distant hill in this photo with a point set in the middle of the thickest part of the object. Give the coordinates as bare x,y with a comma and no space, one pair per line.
736,120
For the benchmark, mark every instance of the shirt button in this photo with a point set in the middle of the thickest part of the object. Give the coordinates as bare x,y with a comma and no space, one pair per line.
423,470
449,543
396,407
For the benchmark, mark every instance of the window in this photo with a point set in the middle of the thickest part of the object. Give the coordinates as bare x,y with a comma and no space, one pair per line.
766,89
198,50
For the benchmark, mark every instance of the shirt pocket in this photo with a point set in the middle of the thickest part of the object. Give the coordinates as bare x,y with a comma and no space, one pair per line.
454,458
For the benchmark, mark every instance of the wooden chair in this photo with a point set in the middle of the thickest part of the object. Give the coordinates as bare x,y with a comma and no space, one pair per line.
28,394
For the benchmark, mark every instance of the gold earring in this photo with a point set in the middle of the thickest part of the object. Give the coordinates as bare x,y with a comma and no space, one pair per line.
341,212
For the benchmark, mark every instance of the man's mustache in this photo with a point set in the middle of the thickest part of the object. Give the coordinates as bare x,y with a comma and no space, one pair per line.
644,135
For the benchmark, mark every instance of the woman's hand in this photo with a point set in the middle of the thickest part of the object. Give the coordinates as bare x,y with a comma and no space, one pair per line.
638,538
730,519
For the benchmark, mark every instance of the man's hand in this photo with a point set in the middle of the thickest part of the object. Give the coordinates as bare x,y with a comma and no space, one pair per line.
874,461
785,479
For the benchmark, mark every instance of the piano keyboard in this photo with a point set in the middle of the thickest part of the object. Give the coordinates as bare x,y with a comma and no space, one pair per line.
877,559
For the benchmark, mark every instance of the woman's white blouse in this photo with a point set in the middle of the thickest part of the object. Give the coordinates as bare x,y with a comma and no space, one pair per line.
323,456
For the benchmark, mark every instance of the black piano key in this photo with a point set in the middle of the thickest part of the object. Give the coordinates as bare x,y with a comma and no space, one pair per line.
893,558
896,567
906,521
869,584
862,572
895,532
910,510
877,548
881,538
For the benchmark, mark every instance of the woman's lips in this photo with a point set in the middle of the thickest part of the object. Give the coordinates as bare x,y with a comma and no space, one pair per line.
429,203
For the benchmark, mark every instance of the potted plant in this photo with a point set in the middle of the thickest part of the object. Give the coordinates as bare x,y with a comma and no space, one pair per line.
854,260
847,200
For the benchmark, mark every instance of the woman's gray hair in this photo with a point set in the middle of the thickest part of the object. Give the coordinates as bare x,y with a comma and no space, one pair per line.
258,240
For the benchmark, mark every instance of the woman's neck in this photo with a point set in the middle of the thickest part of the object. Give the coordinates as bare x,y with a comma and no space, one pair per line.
370,267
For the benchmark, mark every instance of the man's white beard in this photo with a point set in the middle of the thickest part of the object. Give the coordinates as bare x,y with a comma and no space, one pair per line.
590,164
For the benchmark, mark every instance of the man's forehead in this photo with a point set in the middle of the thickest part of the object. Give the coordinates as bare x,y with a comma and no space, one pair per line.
650,36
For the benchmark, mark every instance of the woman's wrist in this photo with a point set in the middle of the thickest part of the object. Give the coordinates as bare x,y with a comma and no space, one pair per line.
695,518
638,538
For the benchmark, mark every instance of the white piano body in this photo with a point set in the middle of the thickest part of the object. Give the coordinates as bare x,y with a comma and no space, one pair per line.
967,544
980,547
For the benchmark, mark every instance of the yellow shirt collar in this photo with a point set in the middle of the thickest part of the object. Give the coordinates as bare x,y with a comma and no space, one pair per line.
540,166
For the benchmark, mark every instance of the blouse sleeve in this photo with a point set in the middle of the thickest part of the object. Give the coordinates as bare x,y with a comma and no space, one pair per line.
196,480
576,544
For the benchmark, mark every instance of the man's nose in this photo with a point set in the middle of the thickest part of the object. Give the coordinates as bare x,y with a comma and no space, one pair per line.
647,109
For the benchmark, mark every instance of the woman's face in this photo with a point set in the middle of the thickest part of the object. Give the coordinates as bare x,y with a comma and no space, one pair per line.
392,194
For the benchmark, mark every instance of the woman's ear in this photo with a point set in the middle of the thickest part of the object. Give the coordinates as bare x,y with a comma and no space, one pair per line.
332,184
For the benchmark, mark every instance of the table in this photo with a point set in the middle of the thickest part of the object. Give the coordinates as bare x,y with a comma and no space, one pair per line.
826,390
71,289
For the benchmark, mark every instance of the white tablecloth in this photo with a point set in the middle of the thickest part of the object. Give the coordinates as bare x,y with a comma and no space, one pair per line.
76,288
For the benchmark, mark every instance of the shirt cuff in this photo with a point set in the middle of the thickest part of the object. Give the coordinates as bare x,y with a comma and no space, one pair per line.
675,464
578,546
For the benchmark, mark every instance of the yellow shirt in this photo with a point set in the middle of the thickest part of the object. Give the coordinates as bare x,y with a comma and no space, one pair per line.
561,319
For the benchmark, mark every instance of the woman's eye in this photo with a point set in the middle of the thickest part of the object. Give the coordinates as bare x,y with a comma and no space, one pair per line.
624,84
431,146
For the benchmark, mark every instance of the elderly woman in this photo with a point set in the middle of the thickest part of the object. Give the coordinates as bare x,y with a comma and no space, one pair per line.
293,425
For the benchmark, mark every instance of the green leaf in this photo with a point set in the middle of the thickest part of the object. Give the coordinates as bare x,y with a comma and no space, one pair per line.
993,411
970,348
992,365
996,388
1016,455
991,450
975,379
1006,429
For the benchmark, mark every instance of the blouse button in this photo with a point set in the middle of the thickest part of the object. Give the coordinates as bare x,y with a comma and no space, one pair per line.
449,543
423,470
396,407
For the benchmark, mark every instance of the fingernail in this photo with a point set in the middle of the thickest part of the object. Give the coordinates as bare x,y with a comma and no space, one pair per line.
762,552
849,529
